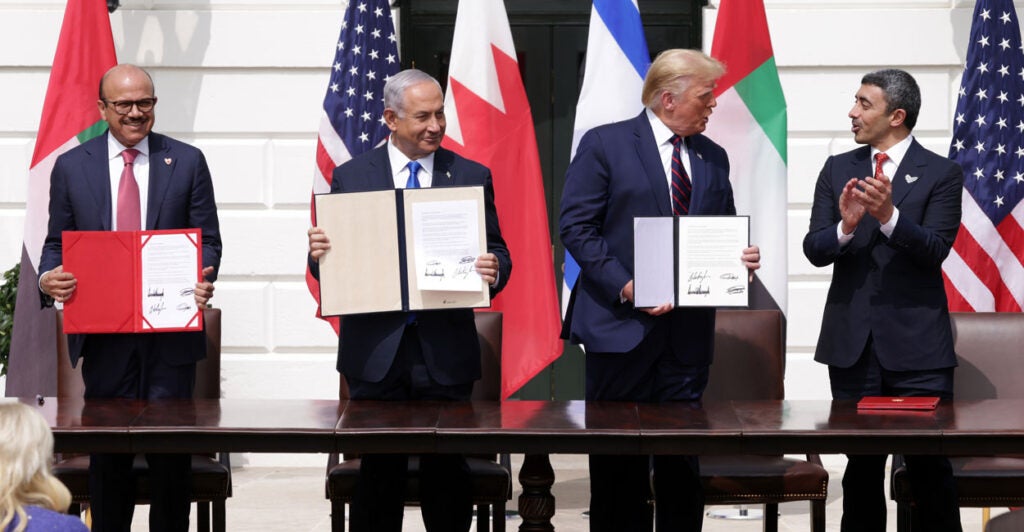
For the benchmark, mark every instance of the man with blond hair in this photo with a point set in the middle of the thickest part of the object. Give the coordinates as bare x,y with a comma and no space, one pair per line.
656,164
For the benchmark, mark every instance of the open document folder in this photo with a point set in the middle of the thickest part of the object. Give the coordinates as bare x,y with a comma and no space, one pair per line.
401,250
133,281
690,261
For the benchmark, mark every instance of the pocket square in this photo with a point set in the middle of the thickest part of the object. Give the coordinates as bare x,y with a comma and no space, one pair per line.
911,178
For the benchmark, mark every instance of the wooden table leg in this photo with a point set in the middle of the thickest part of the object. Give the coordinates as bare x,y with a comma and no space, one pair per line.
536,503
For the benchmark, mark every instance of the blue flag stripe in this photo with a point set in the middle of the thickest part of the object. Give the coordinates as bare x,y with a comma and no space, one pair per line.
622,19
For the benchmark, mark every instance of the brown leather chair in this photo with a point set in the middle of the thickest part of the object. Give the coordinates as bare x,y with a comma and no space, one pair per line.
492,480
749,364
211,476
987,345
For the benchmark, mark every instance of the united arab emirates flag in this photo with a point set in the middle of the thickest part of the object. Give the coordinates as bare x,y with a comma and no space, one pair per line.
85,51
750,123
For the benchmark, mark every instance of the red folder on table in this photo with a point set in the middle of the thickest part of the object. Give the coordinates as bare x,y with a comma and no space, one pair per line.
133,281
898,403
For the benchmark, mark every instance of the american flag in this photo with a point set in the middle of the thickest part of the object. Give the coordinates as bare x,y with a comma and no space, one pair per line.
366,56
985,269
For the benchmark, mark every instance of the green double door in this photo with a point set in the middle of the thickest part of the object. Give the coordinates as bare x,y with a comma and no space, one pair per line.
551,41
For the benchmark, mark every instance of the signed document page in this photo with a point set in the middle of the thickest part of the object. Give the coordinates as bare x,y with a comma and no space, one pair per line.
444,234
711,273
361,272
169,261
133,281
654,261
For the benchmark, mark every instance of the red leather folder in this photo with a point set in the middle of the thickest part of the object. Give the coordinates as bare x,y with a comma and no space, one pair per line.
898,403
108,297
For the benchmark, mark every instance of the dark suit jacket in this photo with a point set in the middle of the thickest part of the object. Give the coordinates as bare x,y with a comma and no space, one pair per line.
368,342
180,197
615,176
890,288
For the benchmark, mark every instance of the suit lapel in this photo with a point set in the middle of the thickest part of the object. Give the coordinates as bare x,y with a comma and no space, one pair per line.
650,159
96,176
699,177
910,171
444,171
861,166
161,168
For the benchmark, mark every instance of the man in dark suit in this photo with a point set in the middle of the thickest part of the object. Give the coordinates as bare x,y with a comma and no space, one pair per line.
427,355
622,171
168,187
885,216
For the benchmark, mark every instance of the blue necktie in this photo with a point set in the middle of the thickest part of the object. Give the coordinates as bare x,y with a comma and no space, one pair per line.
412,182
414,168
681,185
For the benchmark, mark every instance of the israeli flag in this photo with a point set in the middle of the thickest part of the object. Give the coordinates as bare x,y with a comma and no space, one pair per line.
617,51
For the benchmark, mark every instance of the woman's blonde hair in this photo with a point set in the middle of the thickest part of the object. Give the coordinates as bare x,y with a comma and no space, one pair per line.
26,455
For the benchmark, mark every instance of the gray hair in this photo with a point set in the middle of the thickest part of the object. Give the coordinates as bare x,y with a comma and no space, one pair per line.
394,89
901,92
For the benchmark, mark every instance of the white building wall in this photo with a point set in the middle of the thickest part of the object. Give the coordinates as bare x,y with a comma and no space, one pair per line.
244,80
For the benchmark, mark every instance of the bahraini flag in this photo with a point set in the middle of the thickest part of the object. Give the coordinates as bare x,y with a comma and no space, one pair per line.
489,121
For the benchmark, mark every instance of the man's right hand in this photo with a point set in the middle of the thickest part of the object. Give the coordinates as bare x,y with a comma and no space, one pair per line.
849,208
58,284
627,292
318,242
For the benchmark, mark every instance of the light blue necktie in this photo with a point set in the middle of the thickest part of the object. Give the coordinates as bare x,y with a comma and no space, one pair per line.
414,168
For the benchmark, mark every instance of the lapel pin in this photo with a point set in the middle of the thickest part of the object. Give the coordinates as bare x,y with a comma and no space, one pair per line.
449,174
700,156
910,178
167,161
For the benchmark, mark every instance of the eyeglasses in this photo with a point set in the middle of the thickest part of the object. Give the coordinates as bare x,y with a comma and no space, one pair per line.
124,107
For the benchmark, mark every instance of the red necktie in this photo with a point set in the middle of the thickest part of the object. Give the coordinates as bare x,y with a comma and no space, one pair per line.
681,185
879,159
128,210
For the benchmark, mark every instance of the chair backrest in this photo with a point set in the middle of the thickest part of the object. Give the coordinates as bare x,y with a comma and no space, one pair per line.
69,379
488,330
750,356
988,347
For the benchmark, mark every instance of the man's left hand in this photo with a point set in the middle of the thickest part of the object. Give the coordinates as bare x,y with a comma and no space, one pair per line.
875,194
487,267
752,260
204,289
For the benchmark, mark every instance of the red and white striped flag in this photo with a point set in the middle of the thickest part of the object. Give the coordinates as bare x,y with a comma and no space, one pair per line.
85,51
366,56
985,269
489,121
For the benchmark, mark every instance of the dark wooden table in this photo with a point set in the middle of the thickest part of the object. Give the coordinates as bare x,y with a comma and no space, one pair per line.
533,428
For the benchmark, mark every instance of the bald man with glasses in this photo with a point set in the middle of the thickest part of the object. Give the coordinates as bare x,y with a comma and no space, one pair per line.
133,179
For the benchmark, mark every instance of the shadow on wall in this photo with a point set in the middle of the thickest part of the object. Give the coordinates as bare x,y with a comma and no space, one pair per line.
167,40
